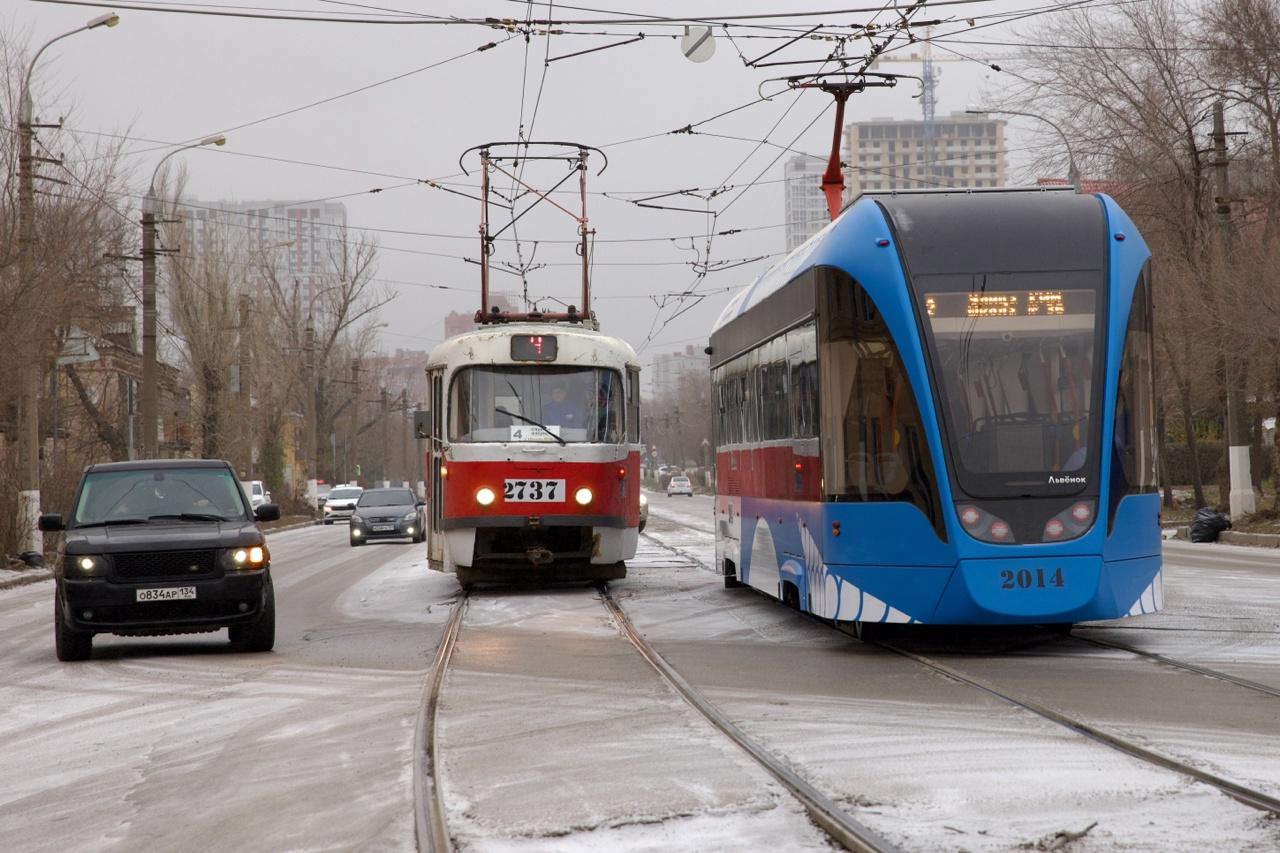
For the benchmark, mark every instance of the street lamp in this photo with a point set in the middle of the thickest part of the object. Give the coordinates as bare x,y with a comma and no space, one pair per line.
31,542
150,368
1073,174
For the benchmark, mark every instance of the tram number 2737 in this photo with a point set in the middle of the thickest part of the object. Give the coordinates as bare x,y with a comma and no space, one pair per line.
1027,579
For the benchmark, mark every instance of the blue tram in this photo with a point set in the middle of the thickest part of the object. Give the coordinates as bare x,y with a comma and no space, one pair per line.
940,409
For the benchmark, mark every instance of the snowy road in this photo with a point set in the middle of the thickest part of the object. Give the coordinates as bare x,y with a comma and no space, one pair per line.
557,736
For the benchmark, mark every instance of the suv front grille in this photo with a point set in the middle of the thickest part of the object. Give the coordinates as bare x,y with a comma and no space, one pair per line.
155,565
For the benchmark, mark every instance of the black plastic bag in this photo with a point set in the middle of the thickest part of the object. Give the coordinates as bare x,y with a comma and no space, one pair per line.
1207,524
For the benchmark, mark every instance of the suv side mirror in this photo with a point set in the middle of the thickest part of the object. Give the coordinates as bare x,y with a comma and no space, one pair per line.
421,503
267,512
50,522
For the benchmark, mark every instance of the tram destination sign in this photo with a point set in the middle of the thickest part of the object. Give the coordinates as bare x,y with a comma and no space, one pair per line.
533,347
1009,303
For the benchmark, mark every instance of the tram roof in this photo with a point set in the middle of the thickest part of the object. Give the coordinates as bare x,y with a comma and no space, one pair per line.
956,231
490,338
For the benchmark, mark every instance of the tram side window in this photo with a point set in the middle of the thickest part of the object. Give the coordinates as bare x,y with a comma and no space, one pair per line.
802,382
633,406
1133,464
875,446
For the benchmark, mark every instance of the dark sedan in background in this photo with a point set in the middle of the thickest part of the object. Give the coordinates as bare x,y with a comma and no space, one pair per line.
387,514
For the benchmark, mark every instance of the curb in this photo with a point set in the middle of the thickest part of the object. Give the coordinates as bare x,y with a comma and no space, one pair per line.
27,578
298,526
1234,537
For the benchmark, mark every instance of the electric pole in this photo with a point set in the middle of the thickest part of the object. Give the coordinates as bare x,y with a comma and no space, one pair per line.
246,397
382,402
150,367
309,348
352,424
1241,499
30,539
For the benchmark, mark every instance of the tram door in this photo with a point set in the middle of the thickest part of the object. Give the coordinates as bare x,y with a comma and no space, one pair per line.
435,455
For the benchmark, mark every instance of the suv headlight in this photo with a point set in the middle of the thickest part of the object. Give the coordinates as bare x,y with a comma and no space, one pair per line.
356,519
85,565
411,515
247,557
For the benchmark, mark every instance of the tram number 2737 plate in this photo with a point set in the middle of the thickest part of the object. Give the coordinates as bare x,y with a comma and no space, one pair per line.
533,490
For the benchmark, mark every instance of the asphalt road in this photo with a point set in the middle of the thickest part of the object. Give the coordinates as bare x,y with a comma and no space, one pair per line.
179,743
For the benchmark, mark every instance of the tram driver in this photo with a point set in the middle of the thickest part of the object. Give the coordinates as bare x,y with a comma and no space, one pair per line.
564,409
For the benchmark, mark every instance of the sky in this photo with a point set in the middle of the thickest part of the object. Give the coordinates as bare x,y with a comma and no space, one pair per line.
169,78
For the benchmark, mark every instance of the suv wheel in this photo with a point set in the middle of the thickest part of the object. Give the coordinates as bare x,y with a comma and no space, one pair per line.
258,636
70,645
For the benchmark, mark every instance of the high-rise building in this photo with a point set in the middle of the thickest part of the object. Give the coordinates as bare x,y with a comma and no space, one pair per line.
457,322
670,368
966,151
804,203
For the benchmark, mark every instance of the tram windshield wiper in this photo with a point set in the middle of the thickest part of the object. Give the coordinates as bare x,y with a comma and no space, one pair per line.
500,410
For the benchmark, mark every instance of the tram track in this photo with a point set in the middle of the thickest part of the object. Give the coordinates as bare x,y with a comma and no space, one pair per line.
1236,791
430,822
828,815
1177,664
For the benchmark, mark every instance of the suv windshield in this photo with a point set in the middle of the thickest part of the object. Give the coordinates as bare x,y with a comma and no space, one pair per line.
344,494
200,493
396,497
511,403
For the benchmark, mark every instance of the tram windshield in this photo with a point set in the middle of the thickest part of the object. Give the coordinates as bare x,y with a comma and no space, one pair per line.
536,403
1018,381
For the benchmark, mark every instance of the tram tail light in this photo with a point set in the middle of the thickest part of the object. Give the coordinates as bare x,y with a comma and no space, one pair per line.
485,496
1082,512
970,516
1000,531
622,473
1071,523
1053,529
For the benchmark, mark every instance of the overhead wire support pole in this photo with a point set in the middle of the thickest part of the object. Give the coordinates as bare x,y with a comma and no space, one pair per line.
1242,501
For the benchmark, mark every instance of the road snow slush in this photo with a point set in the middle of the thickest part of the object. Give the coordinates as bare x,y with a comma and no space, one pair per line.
429,807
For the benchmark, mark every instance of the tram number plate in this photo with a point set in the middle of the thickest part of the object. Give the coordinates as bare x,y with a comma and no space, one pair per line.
166,593
1031,579
536,491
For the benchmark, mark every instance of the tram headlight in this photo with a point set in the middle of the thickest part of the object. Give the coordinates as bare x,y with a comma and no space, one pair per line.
583,496
485,496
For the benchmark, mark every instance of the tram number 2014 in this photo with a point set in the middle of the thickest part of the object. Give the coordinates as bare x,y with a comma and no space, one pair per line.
1030,579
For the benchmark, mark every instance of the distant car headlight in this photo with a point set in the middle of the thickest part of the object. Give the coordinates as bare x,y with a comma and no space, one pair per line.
644,500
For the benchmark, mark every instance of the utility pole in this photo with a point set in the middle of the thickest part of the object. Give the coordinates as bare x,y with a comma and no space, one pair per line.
1242,499
406,424
246,395
309,348
382,402
150,367
30,539
352,425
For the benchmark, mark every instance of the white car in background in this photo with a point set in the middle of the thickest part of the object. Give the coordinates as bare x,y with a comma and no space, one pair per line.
644,511
680,486
257,492
341,503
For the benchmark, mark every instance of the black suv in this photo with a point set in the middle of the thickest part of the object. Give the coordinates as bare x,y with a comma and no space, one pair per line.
166,546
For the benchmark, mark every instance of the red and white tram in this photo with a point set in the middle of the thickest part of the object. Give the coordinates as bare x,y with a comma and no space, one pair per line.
534,428
534,454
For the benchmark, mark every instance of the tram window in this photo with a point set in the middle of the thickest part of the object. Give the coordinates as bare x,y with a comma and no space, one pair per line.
802,363
513,403
633,406
1133,467
874,445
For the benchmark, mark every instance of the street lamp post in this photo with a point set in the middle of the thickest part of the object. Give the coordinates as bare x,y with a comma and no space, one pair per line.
1073,174
150,366
31,542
